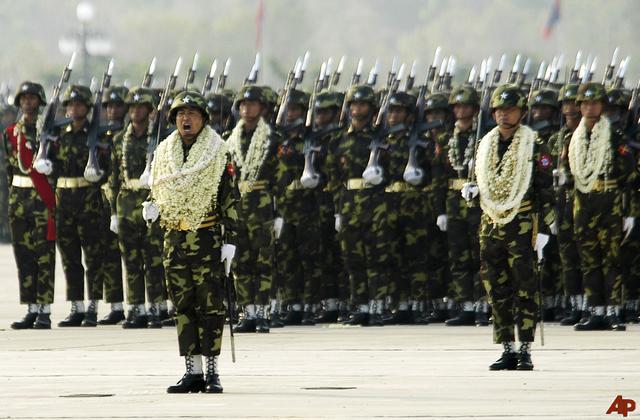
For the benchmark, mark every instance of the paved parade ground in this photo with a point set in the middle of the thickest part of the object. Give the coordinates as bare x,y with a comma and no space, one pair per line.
307,372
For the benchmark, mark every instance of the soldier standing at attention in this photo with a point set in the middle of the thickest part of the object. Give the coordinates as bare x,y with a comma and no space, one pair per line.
79,210
514,179
31,212
194,195
601,166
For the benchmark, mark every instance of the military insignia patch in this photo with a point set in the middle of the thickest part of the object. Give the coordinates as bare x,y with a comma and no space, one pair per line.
231,170
544,161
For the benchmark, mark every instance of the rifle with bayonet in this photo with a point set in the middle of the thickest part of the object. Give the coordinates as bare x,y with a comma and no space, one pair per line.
161,116
208,81
147,80
191,74
355,79
222,79
310,177
47,132
337,73
92,171
252,78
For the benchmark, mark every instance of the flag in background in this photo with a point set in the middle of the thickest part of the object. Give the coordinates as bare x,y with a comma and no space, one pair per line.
259,23
552,21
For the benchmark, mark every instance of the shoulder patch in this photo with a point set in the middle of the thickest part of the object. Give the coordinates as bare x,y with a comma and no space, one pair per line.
545,161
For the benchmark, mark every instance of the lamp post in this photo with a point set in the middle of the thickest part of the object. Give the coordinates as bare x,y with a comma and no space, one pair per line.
84,13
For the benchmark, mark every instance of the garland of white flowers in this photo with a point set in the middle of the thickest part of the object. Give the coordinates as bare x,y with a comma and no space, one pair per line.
504,182
126,141
454,155
185,191
250,164
19,130
590,158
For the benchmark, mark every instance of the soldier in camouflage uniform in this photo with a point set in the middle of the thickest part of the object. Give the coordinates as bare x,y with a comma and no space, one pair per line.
219,108
141,245
253,148
31,212
318,145
514,181
617,110
111,269
462,218
568,251
602,167
8,116
79,211
194,194
439,279
362,213
543,110
297,228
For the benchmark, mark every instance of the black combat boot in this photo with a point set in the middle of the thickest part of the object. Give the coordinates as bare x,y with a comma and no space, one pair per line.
262,325
191,381
115,316
482,319
245,325
170,319
91,316
28,320
43,321
136,319
74,319
572,319
327,317
213,385
508,360
594,323
524,357
358,318
308,318
293,318
437,316
615,324
399,317
153,318
275,320
464,318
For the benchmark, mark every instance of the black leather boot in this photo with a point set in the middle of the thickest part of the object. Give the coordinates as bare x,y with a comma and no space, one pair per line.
482,319
275,320
308,318
507,361
26,322
572,319
74,319
615,324
437,316
212,385
190,382
524,357
170,319
112,318
375,320
464,318
262,325
245,325
91,316
404,317
327,317
293,318
136,319
358,318
153,318
594,323
43,322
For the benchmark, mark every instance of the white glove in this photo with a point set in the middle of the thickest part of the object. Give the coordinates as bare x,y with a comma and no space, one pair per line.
338,223
277,226
113,226
227,253
541,242
309,180
413,175
561,176
469,191
145,179
553,227
150,211
92,174
373,175
441,221
627,225
43,166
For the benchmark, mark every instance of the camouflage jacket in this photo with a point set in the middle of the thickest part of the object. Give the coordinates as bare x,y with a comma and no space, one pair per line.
11,162
136,161
70,153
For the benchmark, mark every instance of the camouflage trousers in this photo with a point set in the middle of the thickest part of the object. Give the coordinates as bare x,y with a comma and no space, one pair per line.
439,276
508,274
111,269
35,256
79,227
630,254
367,228
299,246
412,237
194,278
5,230
568,250
141,247
253,264
335,281
598,233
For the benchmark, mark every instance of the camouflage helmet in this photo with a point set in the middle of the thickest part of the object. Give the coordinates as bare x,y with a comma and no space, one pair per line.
249,92
30,87
618,97
114,94
270,95
403,99
465,95
299,97
327,99
188,99
547,97
508,95
172,95
219,102
591,91
436,101
141,95
568,92
77,93
362,93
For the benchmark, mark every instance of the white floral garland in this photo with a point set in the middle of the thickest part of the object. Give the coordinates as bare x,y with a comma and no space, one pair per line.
187,191
590,158
504,182
454,155
250,164
20,130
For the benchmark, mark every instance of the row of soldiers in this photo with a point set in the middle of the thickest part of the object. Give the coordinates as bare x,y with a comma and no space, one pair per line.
339,223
